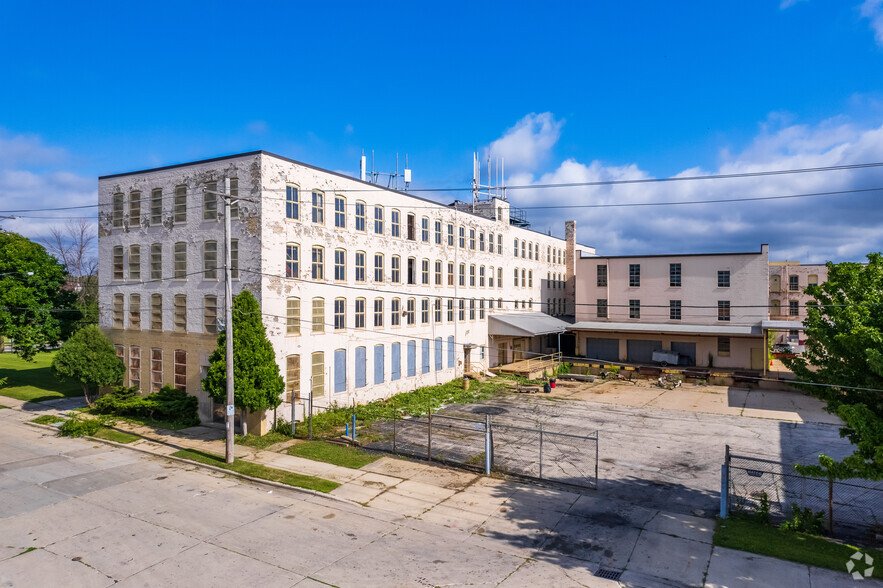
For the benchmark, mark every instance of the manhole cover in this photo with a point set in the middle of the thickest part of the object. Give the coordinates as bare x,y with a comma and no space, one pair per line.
489,410
608,574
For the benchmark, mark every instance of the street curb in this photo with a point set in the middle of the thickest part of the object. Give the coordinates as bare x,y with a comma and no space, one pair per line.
207,466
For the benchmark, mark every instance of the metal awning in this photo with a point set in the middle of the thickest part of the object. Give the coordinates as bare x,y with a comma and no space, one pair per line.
524,324
782,325
668,328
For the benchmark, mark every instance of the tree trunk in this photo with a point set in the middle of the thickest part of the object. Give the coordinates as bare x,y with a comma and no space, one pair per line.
86,395
243,421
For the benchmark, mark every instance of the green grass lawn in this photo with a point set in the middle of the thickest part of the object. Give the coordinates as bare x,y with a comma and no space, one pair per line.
753,537
33,381
47,419
342,455
114,435
256,470
261,442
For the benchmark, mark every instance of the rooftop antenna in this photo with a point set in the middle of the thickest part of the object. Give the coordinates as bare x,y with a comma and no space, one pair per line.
392,179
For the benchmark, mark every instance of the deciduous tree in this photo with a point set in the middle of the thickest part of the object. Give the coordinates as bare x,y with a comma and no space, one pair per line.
89,358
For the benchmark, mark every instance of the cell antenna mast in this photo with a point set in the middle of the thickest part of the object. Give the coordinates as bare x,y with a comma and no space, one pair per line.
496,180
394,180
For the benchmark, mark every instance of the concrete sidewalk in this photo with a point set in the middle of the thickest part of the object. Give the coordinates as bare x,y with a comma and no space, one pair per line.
564,536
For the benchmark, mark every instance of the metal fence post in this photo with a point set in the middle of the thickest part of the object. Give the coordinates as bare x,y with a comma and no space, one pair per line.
310,420
487,444
541,451
725,484
429,440
394,419
597,441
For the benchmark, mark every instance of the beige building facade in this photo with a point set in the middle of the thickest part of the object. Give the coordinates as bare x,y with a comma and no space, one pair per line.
788,281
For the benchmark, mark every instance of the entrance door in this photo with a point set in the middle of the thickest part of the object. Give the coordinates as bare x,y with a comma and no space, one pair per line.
518,348
503,351
757,358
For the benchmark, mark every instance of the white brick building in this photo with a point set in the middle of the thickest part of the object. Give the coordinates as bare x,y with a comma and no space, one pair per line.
365,291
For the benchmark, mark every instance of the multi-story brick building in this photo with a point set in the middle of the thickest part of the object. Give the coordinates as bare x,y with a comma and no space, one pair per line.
788,280
365,291
709,308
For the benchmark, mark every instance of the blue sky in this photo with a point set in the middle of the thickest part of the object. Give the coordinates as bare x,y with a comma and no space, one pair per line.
564,91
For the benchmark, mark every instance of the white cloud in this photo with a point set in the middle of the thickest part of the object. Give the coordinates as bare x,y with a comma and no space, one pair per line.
27,150
873,11
526,145
812,229
784,4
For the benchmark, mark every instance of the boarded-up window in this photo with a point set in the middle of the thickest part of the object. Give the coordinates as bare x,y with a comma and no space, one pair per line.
361,367
180,369
135,366
156,261
156,312
292,316
292,377
118,268
180,258
135,312
317,374
210,314
180,313
118,302
135,263
180,210
155,369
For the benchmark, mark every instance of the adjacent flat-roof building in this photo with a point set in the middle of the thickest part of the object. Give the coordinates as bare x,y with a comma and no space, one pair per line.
365,291
788,280
708,308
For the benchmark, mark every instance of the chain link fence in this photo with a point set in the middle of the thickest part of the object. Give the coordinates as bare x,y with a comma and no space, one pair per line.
485,445
852,508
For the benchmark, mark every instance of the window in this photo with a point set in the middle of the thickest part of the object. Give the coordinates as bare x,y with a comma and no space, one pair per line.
156,261
118,267
378,312
450,235
481,273
292,316
451,352
361,367
523,244
437,310
674,275
412,230
318,315
340,265
812,280
450,310
210,260
424,311
450,273
180,369
317,374
292,377
210,314
318,267
793,283
411,312
156,207
530,278
723,346
180,261
490,243
424,272
318,211
210,202
438,233
472,239
793,308
292,204
499,277
472,276
515,274
361,218
119,202
378,220
775,307
601,309
602,276
135,209
481,308
424,356
340,212
396,269
378,364
180,323
339,314
634,275
360,313
490,277
674,309
396,362
472,309
234,193
530,250
156,312
155,369
119,301
438,272
461,310
395,223
438,354
135,366
135,312
292,260
412,359
635,309
180,215
462,279
515,248
395,312
135,263
360,266
500,244
723,278
523,281
723,310
412,270
234,259
424,229
462,237
378,268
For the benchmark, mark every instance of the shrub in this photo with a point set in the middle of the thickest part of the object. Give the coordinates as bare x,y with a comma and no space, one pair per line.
804,520
169,404
762,514
79,427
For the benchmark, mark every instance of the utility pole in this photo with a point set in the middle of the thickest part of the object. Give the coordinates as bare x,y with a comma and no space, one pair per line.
228,304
